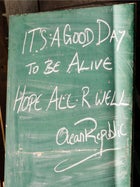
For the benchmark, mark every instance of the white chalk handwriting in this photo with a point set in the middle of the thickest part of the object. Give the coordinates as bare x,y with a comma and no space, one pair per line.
42,38
28,101
110,131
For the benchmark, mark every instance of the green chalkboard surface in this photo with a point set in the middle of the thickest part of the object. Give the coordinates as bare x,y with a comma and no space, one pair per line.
69,98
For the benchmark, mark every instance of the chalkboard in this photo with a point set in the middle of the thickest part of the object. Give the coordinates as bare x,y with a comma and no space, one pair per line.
69,98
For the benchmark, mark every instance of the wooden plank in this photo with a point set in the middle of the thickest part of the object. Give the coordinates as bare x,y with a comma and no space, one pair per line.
3,64
60,4
46,5
20,6
3,48
2,128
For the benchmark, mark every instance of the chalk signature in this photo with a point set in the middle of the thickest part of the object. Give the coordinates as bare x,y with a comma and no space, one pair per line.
113,131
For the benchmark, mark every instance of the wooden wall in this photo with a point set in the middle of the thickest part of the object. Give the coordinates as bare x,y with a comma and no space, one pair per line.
11,7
